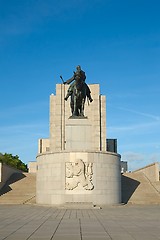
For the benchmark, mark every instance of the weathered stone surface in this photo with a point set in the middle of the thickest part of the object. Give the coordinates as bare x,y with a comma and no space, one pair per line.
73,164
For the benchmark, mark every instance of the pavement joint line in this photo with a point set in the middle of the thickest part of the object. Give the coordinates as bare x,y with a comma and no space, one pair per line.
37,228
127,223
16,230
80,228
22,225
125,230
102,225
58,225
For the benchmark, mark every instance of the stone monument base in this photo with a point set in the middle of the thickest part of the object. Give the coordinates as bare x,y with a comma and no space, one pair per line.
78,177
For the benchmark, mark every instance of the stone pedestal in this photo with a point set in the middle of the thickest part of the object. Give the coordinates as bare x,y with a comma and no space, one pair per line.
78,177
73,164
78,134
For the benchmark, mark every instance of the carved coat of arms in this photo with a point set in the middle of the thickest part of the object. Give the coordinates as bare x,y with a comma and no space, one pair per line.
79,173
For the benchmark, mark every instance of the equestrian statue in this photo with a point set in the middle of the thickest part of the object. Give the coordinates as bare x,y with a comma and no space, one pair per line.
78,91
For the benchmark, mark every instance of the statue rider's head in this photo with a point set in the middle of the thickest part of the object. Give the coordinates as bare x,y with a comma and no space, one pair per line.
78,68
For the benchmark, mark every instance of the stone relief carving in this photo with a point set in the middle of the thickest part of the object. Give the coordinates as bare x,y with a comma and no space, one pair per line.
79,173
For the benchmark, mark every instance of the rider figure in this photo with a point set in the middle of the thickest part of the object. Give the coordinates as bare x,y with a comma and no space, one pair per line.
78,75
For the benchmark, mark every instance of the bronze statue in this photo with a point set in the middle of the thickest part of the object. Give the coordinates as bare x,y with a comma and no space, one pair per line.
78,91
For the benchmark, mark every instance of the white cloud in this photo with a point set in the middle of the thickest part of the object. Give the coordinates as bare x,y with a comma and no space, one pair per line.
132,156
24,109
148,115
155,157
141,126
24,18
137,160
22,139
21,128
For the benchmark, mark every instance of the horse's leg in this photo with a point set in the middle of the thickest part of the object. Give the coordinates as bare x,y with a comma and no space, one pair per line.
83,98
82,107
72,103
74,107
78,104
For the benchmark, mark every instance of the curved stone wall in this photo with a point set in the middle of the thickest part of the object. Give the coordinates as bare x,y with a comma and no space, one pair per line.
84,177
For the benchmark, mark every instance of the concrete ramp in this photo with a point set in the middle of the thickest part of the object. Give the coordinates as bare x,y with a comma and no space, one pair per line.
138,189
19,189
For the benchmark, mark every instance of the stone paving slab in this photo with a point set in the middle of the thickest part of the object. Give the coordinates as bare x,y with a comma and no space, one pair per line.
31,222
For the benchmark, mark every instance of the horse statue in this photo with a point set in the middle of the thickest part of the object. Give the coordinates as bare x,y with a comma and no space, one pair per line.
78,98
78,91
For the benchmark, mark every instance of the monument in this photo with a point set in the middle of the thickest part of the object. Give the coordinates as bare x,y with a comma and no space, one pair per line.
73,164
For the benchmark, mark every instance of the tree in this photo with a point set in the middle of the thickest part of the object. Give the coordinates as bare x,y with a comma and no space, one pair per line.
13,161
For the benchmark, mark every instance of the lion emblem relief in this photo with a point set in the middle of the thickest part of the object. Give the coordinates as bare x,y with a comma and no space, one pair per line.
79,173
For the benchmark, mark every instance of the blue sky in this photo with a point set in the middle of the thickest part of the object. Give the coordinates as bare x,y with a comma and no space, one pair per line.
117,43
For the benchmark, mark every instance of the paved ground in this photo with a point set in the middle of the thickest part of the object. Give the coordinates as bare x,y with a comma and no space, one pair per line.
19,222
